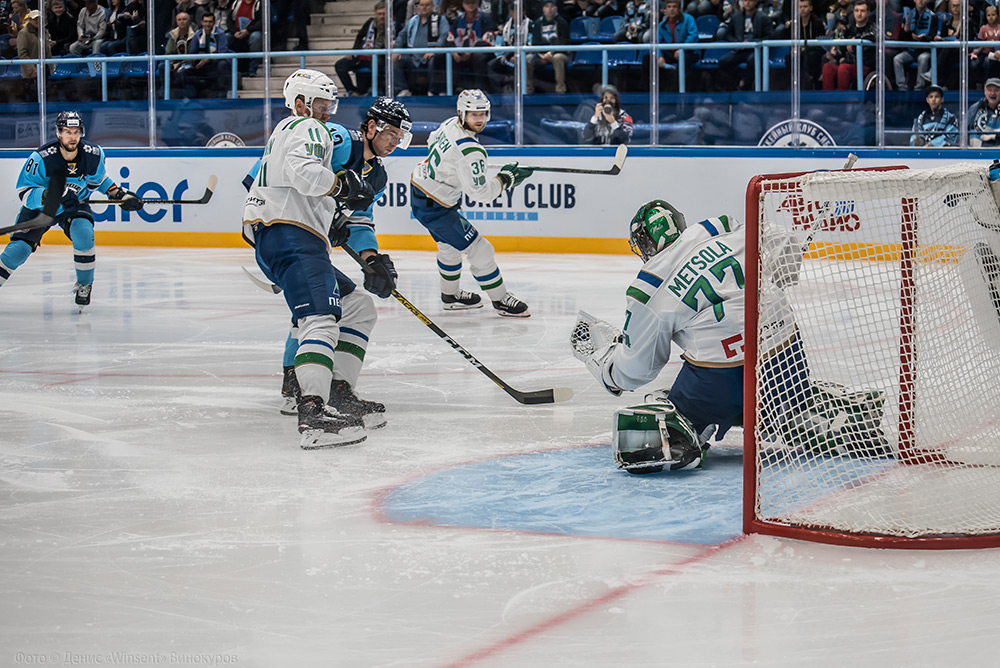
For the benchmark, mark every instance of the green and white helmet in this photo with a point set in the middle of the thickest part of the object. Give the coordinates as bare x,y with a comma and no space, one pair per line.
656,225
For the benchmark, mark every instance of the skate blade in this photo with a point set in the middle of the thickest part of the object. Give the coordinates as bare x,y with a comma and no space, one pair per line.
461,307
374,420
526,314
315,439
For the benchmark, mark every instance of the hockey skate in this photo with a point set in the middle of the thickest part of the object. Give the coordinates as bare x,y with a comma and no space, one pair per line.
462,300
511,306
347,403
82,292
290,392
322,428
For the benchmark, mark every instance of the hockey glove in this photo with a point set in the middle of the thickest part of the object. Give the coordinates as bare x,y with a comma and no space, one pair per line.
353,190
381,280
512,176
70,202
339,233
129,200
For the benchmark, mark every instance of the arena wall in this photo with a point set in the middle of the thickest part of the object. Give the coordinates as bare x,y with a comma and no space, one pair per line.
548,213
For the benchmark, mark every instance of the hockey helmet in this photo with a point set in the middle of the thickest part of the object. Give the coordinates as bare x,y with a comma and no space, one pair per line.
386,111
311,85
656,225
472,99
70,119
648,437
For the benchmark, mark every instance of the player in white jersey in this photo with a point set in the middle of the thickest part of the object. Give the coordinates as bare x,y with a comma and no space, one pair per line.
287,218
690,293
455,167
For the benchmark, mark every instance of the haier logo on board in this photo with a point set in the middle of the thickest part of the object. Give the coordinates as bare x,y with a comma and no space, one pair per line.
151,213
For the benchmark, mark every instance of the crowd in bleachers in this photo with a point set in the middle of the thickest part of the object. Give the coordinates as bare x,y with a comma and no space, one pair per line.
115,28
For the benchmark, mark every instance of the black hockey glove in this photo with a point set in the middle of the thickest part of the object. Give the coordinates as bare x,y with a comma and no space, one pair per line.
339,233
353,190
512,176
381,280
129,200
69,202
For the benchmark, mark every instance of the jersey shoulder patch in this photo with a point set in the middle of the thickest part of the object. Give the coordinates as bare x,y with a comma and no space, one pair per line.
644,286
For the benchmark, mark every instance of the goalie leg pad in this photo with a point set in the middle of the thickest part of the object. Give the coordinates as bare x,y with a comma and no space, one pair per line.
652,437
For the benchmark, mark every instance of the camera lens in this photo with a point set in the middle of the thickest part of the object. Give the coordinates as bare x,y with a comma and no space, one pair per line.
608,109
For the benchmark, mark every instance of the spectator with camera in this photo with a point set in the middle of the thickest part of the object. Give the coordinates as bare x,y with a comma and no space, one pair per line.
610,124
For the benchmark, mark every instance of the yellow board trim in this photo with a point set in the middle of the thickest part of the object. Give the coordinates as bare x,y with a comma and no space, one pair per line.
386,242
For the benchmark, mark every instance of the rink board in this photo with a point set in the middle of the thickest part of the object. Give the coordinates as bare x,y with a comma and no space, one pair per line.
550,212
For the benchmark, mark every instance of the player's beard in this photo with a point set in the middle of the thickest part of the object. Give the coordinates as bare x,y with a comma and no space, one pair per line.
69,149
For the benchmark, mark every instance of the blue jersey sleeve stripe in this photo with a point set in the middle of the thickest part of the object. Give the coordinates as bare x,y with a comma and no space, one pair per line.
465,140
711,228
652,279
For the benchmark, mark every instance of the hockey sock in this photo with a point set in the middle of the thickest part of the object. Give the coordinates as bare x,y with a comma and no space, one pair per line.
356,325
81,232
314,358
450,273
492,284
13,256
291,347
481,260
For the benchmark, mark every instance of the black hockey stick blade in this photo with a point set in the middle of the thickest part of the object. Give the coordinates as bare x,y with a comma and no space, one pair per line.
615,168
50,204
550,396
41,220
263,285
213,181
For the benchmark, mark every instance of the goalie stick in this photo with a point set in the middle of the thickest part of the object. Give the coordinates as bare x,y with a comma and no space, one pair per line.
615,168
213,180
819,220
550,396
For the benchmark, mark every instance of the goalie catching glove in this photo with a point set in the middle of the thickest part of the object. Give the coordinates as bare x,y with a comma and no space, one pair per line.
512,176
127,199
381,278
593,341
353,190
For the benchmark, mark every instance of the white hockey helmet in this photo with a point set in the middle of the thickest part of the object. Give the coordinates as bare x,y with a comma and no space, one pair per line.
311,85
472,99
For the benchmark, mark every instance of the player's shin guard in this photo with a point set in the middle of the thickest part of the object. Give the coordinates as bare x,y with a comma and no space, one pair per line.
13,256
484,267
318,336
81,232
356,324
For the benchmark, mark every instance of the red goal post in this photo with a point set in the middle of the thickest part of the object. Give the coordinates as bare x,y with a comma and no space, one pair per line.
872,372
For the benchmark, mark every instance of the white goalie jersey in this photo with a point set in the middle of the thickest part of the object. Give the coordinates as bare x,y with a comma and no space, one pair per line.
455,165
294,180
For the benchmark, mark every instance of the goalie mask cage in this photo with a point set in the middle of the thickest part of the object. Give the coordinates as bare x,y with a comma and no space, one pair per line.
894,440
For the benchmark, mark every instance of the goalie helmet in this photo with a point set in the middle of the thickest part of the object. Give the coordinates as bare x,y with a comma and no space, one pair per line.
649,437
311,85
472,99
656,225
70,119
386,111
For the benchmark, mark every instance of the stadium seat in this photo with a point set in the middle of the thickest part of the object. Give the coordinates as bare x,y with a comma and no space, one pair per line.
607,28
625,58
64,70
583,29
587,60
707,25
776,56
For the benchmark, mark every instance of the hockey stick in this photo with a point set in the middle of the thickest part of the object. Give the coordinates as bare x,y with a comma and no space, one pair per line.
551,396
820,218
57,184
213,180
263,285
620,156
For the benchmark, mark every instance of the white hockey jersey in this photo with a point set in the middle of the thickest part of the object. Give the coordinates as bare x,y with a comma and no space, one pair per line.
690,294
294,180
455,165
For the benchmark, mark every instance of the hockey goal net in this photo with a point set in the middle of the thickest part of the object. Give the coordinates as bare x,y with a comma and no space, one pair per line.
873,364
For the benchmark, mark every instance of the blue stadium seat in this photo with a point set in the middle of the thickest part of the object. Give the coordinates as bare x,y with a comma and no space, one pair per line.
608,27
10,71
583,29
776,56
707,25
625,58
710,60
587,60
64,70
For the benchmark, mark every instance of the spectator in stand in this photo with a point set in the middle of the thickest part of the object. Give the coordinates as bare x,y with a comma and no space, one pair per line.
451,9
635,23
495,9
91,27
601,9
61,28
29,48
549,30
950,31
119,21
224,17
935,126
419,73
194,11
811,28
572,9
678,28
984,116
247,33
205,73
919,24
841,69
16,19
472,28
747,25
984,62
609,124
179,43
502,67
139,31
721,9
8,42
840,16
372,35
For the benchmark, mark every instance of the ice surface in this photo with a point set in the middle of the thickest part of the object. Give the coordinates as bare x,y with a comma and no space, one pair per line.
154,506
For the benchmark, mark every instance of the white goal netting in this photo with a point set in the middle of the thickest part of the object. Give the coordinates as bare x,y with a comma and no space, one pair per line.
876,362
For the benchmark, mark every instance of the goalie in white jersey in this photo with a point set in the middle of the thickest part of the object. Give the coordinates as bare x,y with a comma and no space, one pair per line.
455,167
690,293
288,216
